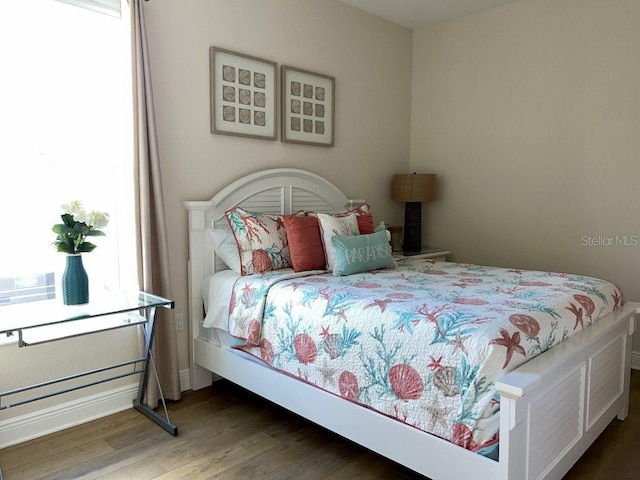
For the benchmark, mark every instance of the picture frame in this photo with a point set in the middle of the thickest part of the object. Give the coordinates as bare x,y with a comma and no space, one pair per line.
243,95
308,104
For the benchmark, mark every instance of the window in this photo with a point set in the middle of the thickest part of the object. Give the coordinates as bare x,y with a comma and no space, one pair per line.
65,128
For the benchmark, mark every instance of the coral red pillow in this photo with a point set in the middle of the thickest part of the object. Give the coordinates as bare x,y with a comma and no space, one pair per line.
305,243
365,223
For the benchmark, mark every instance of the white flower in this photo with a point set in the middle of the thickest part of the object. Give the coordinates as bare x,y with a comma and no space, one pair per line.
74,208
81,217
93,219
97,220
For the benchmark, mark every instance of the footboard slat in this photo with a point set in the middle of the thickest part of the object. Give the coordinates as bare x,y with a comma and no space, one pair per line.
605,388
560,397
552,435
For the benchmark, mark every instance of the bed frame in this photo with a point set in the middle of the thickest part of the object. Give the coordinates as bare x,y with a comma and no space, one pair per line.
552,408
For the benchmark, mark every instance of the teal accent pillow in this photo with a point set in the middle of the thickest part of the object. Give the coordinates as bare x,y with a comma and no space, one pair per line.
361,253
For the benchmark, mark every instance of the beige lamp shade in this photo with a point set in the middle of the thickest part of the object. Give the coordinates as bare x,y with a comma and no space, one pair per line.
414,187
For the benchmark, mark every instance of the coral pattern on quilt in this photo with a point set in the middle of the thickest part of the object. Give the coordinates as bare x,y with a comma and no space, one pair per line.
422,343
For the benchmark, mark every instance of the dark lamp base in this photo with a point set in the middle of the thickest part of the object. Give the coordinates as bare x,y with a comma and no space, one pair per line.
412,227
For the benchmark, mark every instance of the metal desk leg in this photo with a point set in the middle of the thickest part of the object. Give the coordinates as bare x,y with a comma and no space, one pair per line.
138,403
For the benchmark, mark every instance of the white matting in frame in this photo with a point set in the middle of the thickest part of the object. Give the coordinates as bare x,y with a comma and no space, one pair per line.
243,95
308,101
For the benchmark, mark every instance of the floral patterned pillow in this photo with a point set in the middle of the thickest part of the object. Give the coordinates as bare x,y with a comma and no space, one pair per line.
262,241
331,225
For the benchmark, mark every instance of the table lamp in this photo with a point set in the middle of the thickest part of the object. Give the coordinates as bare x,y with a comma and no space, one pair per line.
413,189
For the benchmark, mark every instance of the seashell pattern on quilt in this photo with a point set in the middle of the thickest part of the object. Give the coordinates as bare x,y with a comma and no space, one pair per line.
422,343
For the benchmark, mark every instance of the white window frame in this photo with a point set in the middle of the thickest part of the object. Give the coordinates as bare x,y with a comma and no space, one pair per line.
108,7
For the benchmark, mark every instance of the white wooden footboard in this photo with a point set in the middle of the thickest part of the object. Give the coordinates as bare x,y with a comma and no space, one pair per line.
553,407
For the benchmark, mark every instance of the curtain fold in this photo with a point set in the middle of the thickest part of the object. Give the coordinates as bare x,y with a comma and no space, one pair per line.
154,274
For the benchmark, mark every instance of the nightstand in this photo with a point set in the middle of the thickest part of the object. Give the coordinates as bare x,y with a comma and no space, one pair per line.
424,253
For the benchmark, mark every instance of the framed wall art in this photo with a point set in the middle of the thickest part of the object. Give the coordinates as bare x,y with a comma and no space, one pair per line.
308,101
243,95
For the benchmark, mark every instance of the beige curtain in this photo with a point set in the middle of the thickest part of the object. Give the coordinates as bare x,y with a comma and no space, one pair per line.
154,274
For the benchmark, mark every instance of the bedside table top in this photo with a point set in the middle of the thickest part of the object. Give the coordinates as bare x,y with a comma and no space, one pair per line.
425,252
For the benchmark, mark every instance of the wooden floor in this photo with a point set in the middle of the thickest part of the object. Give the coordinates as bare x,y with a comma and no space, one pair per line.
227,433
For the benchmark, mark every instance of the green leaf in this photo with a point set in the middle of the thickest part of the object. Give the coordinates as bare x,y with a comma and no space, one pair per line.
63,248
95,233
86,247
81,228
68,219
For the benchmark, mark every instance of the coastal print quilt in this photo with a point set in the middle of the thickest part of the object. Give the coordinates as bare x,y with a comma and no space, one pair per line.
422,343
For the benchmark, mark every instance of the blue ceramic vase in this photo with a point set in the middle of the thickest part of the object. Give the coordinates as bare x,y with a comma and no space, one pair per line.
75,282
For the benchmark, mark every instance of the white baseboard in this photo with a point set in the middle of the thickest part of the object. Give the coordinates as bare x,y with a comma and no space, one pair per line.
42,422
635,360
53,419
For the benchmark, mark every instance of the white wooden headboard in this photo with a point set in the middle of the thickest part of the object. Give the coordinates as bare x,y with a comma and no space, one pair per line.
275,191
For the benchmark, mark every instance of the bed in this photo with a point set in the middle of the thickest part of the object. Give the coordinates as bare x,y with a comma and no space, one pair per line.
551,408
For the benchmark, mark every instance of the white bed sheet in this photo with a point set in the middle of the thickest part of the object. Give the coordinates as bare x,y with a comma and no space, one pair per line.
217,336
216,294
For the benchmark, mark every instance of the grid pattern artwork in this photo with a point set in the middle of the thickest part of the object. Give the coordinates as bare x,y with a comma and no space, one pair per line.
307,107
243,95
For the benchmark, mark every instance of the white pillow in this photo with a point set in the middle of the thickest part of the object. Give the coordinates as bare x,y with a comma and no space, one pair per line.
225,247
330,226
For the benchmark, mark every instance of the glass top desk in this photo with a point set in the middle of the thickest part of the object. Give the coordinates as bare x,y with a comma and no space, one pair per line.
48,321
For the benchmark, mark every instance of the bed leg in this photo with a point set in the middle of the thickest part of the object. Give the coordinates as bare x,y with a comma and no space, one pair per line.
624,410
200,377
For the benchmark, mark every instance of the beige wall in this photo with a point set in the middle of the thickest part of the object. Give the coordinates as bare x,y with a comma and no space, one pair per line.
530,115
369,58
